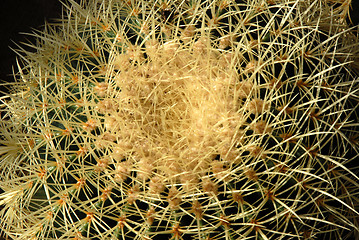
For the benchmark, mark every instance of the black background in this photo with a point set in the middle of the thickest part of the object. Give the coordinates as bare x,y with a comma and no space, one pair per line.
21,16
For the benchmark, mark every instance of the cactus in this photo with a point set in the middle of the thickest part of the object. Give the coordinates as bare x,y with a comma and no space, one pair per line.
185,120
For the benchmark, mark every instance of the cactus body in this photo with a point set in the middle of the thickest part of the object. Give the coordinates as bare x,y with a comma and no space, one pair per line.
185,120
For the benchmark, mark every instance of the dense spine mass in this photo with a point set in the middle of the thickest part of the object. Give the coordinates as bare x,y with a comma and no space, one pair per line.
185,120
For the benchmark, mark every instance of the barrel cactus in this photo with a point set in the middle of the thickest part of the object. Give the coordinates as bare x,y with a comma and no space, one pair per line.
185,119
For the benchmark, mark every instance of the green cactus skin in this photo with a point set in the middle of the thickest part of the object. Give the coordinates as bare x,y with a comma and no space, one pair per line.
185,120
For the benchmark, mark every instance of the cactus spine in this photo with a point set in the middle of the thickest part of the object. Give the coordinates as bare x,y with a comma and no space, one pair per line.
185,120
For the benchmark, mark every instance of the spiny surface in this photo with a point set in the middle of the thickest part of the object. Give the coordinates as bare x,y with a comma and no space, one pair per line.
185,120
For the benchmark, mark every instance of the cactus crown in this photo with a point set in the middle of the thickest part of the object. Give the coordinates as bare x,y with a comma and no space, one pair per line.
185,120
